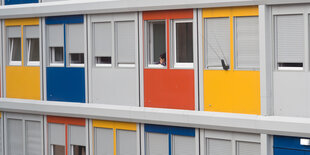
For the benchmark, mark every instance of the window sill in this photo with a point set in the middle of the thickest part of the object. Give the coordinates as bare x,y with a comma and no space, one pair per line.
33,63
76,65
290,68
56,65
126,65
15,63
103,65
157,66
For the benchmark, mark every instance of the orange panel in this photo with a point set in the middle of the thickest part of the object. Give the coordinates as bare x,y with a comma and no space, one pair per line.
174,89
66,120
168,14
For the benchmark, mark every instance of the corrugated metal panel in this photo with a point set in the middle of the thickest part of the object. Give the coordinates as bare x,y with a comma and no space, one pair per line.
33,138
77,135
55,35
57,133
75,38
102,33
31,31
13,32
219,147
103,144
125,42
248,148
183,145
126,142
14,137
157,144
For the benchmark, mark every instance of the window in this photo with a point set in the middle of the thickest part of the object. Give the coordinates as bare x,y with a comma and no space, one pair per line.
125,43
33,51
126,142
157,143
103,141
75,44
183,43
78,150
15,51
218,146
102,44
155,42
183,145
246,43
56,56
58,150
290,41
217,43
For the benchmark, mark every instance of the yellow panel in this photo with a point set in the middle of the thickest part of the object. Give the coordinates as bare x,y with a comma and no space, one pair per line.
23,82
232,91
230,11
114,125
24,21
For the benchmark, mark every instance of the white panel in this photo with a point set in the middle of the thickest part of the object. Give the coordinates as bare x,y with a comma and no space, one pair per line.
33,138
219,147
56,133
31,31
75,38
157,144
102,35
246,42
13,32
217,41
77,135
183,145
103,141
14,137
126,142
247,148
55,34
290,38
125,42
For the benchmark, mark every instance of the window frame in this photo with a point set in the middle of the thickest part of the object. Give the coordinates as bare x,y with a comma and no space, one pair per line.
52,62
52,148
10,49
173,54
32,63
70,64
72,148
149,48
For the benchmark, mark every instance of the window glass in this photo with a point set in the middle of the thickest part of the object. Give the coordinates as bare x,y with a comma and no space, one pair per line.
58,150
156,42
78,150
33,50
183,43
102,61
15,51
56,56
77,59
217,42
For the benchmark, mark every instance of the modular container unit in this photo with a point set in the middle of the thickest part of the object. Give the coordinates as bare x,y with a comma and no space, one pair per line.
231,76
22,59
169,140
229,143
170,82
115,138
291,145
66,136
114,69
23,134
65,55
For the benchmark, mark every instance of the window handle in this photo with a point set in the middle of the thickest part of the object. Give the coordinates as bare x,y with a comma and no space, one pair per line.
304,141
224,65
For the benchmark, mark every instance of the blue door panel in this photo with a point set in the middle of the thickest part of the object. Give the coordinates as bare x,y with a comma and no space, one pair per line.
12,2
279,151
289,142
65,84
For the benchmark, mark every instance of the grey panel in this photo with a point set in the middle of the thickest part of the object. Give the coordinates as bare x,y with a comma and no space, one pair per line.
102,35
75,38
125,42
290,38
33,138
31,31
183,145
55,34
217,41
1,134
13,32
157,144
248,148
103,141
125,84
57,133
246,42
126,142
77,135
14,137
219,147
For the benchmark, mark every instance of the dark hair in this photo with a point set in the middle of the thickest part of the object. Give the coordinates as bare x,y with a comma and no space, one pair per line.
163,56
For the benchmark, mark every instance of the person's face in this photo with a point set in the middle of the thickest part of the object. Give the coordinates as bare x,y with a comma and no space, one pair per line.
161,60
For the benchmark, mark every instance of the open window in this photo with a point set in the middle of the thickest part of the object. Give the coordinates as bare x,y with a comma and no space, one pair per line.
55,38
13,34
217,43
102,44
75,44
31,46
125,43
155,43
289,42
246,43
183,43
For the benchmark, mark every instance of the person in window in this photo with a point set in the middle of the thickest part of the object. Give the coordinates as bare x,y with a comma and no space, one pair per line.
162,59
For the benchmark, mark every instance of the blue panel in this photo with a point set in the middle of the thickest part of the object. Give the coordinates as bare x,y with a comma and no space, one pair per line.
65,19
65,84
170,130
12,2
289,143
278,151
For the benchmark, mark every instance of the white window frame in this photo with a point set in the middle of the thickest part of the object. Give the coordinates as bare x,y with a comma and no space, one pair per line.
70,64
102,65
52,62
31,63
174,52
11,45
149,44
